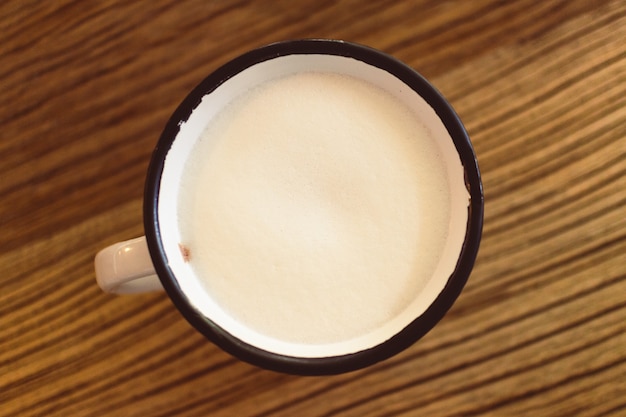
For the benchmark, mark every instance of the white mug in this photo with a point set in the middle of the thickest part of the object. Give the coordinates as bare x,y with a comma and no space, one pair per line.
160,261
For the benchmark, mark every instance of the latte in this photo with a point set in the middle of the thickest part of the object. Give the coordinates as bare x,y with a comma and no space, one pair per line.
314,208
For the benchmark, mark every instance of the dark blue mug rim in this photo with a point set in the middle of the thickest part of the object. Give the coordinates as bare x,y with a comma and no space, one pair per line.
420,325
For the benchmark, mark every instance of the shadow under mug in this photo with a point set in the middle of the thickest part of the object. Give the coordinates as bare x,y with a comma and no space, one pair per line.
153,262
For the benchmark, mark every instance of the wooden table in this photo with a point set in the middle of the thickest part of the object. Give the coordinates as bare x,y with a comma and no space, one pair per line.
540,330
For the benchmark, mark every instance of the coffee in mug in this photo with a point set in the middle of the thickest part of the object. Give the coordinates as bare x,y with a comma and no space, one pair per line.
312,207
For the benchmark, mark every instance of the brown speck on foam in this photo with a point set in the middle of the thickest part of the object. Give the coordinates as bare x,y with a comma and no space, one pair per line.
184,250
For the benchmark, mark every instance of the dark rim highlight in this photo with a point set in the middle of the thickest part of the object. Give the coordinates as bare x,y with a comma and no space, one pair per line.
410,334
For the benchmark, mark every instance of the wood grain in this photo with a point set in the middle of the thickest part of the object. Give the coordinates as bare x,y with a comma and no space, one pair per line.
540,330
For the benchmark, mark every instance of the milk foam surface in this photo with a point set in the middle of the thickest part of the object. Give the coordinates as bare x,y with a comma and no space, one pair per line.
314,207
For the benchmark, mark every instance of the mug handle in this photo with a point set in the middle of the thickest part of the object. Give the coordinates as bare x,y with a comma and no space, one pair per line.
126,268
